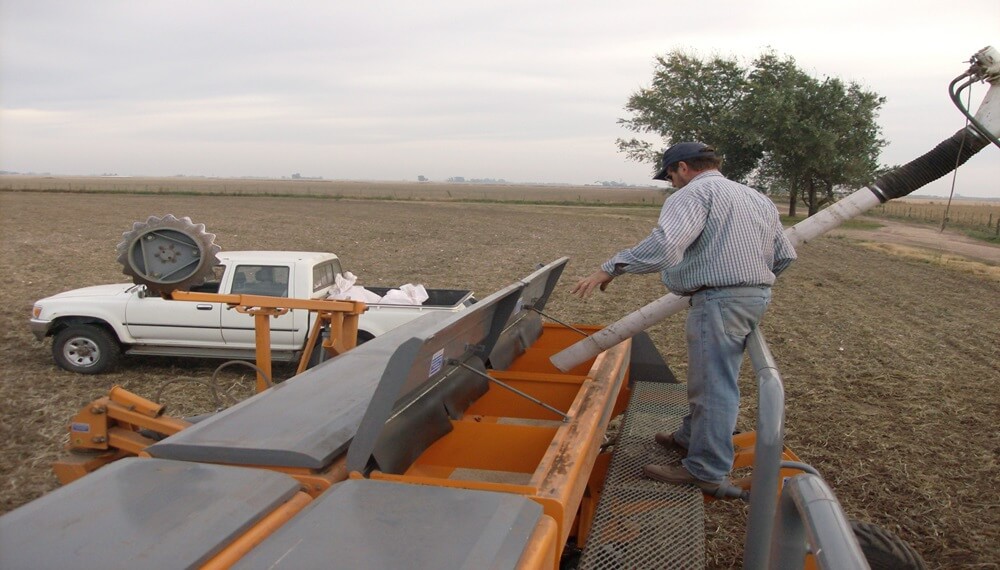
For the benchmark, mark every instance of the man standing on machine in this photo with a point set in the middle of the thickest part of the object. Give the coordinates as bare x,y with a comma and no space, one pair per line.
722,244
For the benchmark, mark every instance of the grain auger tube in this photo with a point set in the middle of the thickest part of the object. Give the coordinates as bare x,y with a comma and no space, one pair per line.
983,128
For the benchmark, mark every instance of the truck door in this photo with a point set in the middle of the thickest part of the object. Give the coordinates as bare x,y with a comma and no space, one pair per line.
153,320
272,281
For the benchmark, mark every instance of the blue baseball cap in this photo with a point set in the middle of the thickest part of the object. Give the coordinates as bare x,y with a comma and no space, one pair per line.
682,151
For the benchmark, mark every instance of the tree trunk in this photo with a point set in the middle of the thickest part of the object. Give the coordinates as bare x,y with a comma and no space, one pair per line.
793,196
813,203
828,197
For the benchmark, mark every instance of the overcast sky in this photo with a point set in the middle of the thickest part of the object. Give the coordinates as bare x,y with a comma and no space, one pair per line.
389,90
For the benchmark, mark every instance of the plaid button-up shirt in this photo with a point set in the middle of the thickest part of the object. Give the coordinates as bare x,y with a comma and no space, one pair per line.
713,232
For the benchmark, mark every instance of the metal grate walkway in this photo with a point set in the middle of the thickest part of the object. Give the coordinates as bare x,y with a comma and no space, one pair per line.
641,523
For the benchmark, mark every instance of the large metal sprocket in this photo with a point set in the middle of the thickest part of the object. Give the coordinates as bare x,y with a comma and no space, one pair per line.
168,254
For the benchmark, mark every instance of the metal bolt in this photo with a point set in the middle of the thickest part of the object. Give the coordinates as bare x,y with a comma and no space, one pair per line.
99,439
98,410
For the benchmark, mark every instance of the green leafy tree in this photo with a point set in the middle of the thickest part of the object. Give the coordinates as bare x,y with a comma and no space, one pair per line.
777,126
776,89
691,99
818,134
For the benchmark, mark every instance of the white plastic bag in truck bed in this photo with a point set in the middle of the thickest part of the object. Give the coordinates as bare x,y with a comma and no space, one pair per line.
408,294
344,289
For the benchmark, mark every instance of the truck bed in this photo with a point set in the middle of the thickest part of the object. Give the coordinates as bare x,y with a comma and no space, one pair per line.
451,298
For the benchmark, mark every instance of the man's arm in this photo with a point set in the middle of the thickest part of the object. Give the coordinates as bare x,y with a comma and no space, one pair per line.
784,253
681,221
586,286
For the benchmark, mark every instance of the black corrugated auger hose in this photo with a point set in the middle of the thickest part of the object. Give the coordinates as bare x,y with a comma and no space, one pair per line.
942,159
952,152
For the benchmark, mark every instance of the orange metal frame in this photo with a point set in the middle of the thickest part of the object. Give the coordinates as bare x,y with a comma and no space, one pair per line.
342,316
508,444
503,443
744,444
257,533
108,428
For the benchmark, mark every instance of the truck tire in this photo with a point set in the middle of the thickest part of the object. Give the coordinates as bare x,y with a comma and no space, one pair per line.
884,550
319,354
86,349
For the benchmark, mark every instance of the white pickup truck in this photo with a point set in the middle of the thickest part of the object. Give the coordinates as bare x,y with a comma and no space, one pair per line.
93,326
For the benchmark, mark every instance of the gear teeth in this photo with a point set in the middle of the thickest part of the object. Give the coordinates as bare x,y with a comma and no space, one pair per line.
150,255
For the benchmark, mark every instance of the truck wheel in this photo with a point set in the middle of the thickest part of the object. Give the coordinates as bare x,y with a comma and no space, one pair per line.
884,550
86,349
319,353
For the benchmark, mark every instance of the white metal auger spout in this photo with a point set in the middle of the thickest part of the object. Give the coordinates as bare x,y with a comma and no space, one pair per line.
954,151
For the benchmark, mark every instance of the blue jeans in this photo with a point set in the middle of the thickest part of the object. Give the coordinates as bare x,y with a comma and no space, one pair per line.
718,324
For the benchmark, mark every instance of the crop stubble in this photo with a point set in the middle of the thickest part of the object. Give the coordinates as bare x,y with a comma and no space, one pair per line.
890,366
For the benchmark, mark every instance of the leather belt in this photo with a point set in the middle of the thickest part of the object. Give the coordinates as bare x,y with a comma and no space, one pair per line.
706,288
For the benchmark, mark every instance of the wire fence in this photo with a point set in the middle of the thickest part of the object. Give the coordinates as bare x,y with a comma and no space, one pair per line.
978,216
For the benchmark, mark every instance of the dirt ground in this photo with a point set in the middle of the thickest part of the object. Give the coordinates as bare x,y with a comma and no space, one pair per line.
891,365
927,238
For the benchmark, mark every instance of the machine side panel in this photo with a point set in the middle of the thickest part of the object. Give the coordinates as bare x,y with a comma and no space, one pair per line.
375,524
303,422
144,513
525,324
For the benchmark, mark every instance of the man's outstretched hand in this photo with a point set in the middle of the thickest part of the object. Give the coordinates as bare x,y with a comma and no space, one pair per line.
598,279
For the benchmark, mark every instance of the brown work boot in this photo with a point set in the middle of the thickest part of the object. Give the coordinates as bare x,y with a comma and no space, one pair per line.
667,440
679,475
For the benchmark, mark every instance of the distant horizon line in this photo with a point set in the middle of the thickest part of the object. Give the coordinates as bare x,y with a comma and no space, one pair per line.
466,181
293,178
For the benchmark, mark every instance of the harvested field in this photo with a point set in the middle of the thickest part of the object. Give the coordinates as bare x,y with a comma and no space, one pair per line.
339,189
891,365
